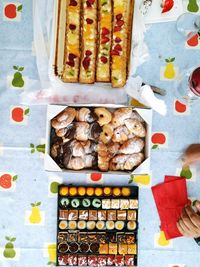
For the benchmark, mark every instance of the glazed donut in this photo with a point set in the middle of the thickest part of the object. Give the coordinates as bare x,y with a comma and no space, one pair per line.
63,119
106,134
104,116
135,127
131,146
120,115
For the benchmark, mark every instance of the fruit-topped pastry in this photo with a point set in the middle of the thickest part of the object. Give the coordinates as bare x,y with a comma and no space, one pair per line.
119,53
105,29
89,32
72,43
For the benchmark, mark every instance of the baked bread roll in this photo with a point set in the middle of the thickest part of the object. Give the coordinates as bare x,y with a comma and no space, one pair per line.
104,47
120,42
72,41
88,45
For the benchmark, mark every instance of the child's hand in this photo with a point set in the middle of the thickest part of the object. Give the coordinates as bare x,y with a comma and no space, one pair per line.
189,223
191,154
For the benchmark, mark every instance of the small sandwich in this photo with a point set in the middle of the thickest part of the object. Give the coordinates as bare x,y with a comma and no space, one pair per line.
88,45
72,42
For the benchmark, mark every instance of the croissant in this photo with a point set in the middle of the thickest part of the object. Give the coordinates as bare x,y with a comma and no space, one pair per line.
120,115
77,149
82,131
120,134
76,164
64,118
135,127
133,145
86,115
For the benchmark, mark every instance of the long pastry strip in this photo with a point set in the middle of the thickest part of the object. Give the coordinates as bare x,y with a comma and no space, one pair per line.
105,29
72,41
119,45
89,32
129,39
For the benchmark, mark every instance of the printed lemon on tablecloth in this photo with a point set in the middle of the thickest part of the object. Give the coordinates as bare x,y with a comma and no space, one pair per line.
19,115
54,182
96,178
7,181
181,108
141,180
161,241
159,140
12,11
35,216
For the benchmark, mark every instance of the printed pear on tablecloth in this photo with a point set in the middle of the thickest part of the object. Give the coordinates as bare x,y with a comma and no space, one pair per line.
12,11
189,172
7,181
35,216
169,71
39,148
18,80
54,182
160,241
9,250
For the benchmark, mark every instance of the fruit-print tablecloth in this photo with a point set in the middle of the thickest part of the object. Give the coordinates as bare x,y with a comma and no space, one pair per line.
28,193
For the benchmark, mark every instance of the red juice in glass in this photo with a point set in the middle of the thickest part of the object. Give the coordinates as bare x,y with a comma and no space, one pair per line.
194,82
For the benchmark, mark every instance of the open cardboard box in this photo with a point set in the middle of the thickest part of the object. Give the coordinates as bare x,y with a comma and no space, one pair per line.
143,168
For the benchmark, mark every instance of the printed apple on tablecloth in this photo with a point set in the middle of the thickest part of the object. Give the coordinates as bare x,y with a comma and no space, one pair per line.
7,181
12,11
159,140
19,114
181,108
95,178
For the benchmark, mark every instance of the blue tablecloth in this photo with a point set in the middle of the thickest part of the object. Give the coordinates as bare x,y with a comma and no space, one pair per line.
22,131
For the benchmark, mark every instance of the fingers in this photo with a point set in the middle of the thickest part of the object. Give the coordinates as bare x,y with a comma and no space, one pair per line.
197,205
192,216
192,154
189,223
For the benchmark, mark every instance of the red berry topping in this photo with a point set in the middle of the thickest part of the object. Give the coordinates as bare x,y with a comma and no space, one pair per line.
88,4
118,47
88,53
117,29
86,63
104,40
70,63
71,57
104,59
91,1
117,40
73,3
89,21
72,26
120,23
119,16
105,31
114,53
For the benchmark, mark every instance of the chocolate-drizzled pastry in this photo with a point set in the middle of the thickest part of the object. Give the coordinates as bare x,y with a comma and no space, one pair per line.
54,138
67,154
95,131
86,115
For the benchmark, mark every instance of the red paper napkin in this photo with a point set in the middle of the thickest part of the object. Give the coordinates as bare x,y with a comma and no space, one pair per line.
170,198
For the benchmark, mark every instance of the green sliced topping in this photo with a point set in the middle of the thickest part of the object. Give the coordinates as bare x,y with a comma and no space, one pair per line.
115,78
71,73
